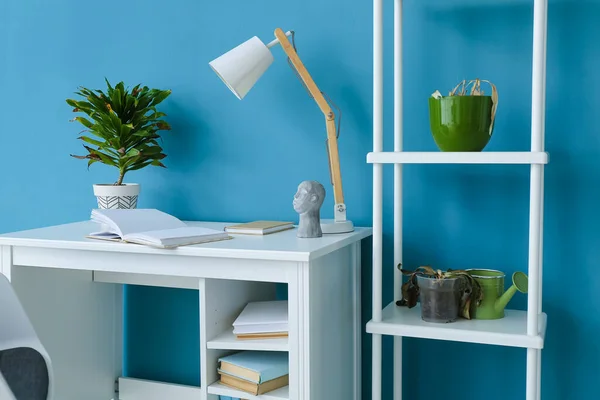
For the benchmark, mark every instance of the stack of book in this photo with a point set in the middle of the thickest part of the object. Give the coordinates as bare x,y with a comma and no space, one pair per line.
255,372
262,320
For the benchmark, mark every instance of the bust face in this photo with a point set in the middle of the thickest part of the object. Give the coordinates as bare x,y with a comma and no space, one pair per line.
306,198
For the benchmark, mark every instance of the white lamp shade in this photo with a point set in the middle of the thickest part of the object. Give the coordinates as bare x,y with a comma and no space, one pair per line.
241,67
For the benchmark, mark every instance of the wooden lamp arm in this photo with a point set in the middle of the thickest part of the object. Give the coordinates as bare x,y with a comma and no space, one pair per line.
332,143
303,72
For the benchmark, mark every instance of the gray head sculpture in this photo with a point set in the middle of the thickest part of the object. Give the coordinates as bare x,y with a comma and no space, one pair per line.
307,202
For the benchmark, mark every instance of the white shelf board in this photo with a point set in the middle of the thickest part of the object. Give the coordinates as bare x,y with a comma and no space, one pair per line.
439,157
228,341
508,331
222,390
131,388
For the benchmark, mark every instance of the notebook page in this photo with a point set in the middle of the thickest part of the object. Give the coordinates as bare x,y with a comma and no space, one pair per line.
141,220
166,236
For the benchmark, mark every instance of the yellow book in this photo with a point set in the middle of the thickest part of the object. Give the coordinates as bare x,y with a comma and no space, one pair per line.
252,387
259,227
268,335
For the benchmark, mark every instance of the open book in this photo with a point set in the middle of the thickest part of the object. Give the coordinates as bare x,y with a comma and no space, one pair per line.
150,227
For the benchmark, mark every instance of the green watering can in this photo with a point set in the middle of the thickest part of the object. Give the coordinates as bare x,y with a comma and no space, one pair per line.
495,298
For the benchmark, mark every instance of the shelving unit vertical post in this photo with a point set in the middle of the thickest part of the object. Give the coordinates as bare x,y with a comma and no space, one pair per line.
525,329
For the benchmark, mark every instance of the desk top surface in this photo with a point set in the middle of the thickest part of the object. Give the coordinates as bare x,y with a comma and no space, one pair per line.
283,246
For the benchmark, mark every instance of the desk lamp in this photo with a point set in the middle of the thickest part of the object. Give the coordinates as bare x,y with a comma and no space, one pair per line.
240,69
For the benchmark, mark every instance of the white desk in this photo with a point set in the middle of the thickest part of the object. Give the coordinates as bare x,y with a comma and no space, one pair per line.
71,289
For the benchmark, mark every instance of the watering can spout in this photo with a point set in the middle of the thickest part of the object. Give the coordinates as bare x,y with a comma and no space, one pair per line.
520,283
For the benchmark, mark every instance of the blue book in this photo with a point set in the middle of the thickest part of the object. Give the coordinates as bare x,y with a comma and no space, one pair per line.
256,366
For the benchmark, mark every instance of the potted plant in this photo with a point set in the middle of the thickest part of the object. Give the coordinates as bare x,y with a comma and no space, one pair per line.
123,127
444,295
463,120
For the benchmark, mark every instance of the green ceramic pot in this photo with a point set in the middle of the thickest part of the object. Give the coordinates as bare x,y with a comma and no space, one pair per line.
461,123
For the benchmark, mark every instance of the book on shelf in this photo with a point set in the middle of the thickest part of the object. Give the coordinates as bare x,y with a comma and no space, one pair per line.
255,372
262,317
150,227
254,387
268,335
229,398
259,227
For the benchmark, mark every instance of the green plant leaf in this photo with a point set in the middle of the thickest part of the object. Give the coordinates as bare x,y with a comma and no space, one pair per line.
136,89
116,100
116,121
129,107
132,153
98,103
82,106
92,141
140,165
146,134
144,100
163,126
160,97
158,156
84,121
105,158
90,162
110,88
158,164
150,150
156,115
126,130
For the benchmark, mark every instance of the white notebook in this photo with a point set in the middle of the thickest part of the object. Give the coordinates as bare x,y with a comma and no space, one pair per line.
262,317
150,227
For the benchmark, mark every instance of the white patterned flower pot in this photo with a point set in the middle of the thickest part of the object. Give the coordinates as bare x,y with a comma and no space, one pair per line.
117,196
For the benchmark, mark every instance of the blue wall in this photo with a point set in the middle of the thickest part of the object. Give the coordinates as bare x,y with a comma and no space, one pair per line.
222,151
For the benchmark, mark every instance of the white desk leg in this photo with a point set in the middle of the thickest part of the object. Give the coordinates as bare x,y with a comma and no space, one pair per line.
6,261
325,295
356,285
298,309
78,323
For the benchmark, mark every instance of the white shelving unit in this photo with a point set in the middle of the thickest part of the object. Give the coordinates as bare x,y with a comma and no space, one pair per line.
525,329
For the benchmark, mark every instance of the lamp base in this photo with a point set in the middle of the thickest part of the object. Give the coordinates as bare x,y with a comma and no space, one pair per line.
330,226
